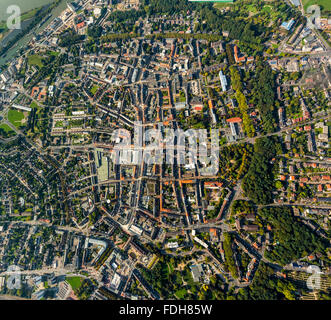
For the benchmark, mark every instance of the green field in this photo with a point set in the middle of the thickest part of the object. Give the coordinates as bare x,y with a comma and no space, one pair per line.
324,4
15,117
25,16
53,53
35,60
75,282
188,277
5,127
221,4
6,131
267,9
58,124
94,89
252,8
29,14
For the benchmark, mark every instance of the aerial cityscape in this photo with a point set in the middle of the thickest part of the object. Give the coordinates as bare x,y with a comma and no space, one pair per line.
165,150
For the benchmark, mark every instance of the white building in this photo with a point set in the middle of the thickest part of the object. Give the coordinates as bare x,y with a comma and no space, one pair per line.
172,245
16,106
223,80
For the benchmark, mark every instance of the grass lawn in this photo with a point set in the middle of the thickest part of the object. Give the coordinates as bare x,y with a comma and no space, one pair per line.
33,105
6,128
182,98
252,8
267,9
324,4
188,278
58,124
3,25
15,117
94,89
75,282
29,14
27,218
35,60
222,4
53,53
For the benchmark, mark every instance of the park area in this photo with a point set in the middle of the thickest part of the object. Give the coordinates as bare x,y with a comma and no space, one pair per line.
17,118
36,60
5,127
6,131
94,89
75,282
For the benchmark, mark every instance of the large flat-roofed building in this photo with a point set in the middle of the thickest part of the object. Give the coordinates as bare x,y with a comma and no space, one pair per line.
16,106
115,282
223,80
135,229
197,272
288,25
5,76
233,129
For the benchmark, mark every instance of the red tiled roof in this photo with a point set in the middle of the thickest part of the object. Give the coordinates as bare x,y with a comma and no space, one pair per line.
235,119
